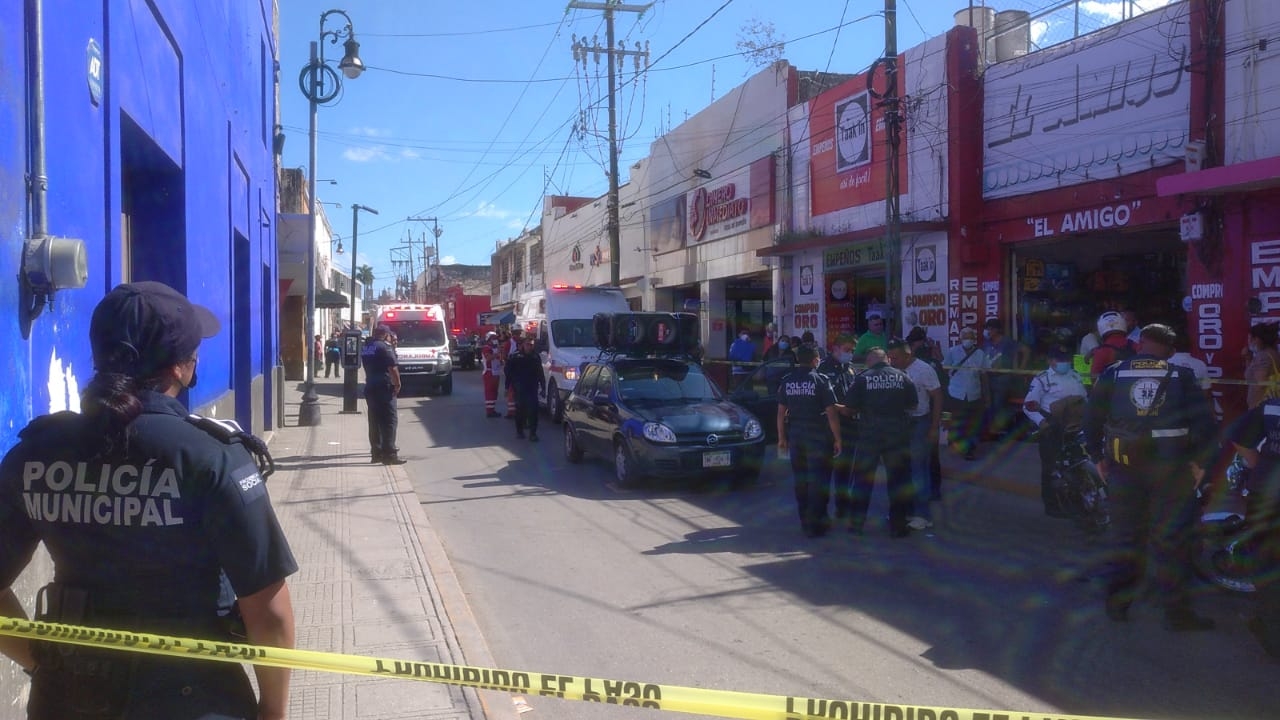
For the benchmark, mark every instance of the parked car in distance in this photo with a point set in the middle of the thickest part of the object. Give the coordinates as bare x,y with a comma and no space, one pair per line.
465,350
660,417
758,393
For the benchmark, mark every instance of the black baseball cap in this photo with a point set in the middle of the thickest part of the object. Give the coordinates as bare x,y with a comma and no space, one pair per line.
916,335
141,328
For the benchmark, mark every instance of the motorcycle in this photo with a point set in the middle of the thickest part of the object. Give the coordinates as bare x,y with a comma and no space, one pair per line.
1225,543
1074,479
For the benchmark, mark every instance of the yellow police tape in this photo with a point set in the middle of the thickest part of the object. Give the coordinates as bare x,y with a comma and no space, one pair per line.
700,701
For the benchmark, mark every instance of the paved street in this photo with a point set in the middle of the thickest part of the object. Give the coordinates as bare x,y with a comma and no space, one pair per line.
713,588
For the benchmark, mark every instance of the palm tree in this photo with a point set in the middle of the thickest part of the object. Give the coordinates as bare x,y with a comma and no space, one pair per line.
365,275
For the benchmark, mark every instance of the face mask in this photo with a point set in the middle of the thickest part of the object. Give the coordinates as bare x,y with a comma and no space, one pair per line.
1062,368
784,345
743,336
844,356
192,383
968,344
986,334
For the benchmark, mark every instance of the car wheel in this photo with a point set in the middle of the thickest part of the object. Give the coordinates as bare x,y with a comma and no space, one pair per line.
624,465
446,388
572,452
555,409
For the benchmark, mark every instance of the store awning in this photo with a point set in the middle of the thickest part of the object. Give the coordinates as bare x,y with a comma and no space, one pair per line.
1241,177
327,299
825,241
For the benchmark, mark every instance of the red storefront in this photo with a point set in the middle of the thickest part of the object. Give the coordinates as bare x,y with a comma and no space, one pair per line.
1081,143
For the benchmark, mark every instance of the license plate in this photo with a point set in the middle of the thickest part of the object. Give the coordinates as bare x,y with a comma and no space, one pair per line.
412,368
720,458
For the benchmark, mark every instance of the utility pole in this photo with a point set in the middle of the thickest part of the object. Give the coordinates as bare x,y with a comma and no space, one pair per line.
893,129
580,50
436,232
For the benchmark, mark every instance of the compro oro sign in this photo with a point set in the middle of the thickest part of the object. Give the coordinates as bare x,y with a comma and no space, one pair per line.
739,201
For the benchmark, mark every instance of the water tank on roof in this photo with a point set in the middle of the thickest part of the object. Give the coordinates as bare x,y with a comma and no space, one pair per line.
982,19
1012,34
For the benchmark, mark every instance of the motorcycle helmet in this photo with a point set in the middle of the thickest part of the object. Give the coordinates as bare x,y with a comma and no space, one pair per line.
1111,322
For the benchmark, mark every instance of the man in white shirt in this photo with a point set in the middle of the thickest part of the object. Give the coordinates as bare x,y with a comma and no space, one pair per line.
967,391
1183,357
1060,381
926,418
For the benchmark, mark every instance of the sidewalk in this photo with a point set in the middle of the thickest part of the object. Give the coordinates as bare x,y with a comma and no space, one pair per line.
373,578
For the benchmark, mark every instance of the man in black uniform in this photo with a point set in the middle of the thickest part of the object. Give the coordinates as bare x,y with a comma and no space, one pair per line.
1256,437
1146,423
809,428
381,387
838,369
524,379
156,521
882,395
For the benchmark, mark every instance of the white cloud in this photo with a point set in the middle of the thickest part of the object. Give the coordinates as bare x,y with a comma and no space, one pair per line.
368,154
515,224
489,210
1115,10
368,131
409,154
448,260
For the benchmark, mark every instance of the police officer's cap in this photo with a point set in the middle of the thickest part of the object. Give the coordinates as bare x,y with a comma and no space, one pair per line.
896,343
1162,334
141,328
381,331
1059,352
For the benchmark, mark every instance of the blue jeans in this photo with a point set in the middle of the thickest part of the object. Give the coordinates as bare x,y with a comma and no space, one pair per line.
920,454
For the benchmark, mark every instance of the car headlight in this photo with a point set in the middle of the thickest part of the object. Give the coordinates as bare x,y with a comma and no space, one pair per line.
659,433
752,429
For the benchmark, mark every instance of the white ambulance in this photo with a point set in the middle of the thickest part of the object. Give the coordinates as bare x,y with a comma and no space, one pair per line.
560,319
422,344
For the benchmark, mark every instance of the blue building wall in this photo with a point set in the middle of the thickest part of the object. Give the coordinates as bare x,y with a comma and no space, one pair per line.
177,156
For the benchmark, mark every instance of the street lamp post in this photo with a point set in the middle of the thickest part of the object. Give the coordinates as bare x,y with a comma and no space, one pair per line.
320,84
349,373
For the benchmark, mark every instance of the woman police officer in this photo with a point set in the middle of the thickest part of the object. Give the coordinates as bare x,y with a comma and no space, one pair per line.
156,521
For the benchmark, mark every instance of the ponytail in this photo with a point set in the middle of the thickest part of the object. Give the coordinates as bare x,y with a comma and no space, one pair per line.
110,404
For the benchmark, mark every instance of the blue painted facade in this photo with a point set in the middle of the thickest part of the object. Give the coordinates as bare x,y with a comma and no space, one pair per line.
169,176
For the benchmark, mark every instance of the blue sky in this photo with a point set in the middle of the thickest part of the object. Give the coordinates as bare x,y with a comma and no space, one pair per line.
466,112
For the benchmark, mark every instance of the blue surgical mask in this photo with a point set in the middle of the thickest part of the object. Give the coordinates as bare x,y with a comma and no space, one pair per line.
1062,368
968,344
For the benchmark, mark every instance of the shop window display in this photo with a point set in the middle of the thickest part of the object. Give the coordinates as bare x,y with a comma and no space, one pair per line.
1059,302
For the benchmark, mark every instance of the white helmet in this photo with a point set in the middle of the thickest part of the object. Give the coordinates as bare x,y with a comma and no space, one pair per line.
1110,322
491,335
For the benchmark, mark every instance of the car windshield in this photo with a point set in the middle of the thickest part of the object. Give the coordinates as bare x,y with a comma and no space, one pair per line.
573,333
425,333
658,383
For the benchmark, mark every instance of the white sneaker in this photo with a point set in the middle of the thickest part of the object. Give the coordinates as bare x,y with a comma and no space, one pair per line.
918,523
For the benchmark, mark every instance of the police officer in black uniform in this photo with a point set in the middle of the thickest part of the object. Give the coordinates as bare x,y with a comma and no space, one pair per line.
882,395
839,370
809,428
156,520
1256,437
1147,422
525,381
381,387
